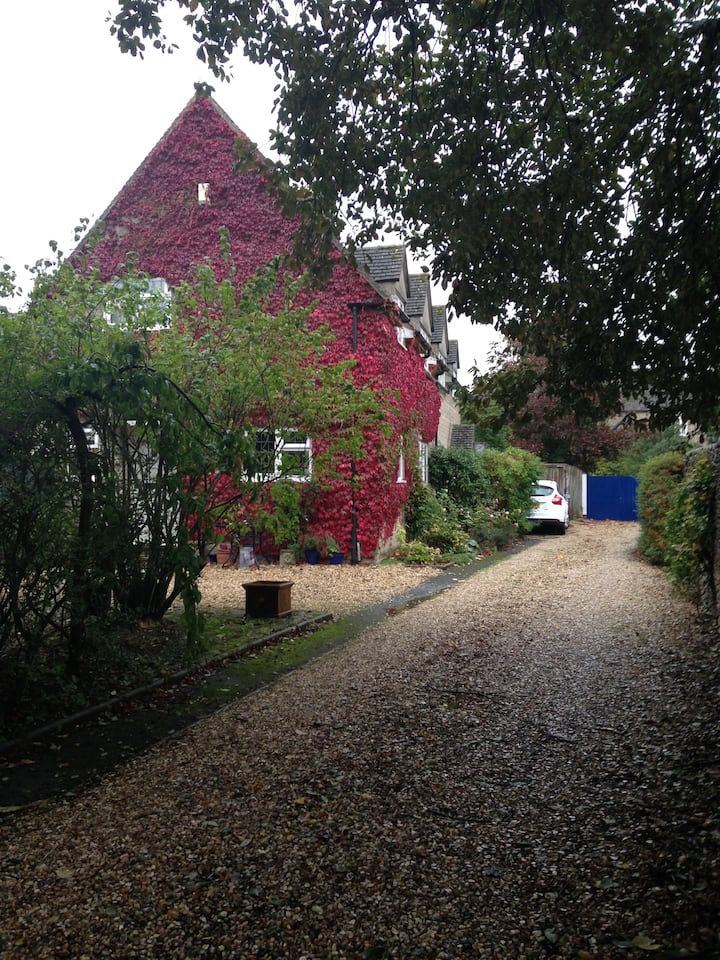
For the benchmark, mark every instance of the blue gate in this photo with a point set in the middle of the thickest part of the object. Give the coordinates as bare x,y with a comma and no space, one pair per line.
612,498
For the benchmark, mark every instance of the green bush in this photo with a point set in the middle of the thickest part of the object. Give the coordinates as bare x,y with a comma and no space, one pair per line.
415,551
461,475
493,528
423,510
446,537
435,520
659,480
690,531
479,496
512,474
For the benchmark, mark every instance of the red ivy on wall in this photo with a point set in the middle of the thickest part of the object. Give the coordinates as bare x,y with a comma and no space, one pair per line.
158,221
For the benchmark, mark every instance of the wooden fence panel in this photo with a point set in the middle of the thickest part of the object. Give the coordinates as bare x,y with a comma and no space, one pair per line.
570,481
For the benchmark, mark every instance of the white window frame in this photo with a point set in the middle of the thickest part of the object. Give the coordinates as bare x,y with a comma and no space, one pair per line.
156,286
290,442
403,335
424,461
401,474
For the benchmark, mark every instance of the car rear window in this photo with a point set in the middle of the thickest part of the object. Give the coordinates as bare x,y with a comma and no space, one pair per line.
541,491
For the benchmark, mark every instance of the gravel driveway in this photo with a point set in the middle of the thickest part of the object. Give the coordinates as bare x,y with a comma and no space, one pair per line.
322,588
525,766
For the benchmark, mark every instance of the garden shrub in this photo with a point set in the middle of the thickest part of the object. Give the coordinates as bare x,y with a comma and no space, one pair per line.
659,480
494,528
435,520
415,551
447,535
423,510
479,496
512,474
690,531
461,475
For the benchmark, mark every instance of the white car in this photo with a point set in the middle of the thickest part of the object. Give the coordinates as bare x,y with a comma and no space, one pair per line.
549,506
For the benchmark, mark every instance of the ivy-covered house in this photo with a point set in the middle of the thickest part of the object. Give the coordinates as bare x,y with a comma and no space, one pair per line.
171,215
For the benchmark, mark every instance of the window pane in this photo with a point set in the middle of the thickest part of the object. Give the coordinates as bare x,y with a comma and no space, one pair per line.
295,462
265,449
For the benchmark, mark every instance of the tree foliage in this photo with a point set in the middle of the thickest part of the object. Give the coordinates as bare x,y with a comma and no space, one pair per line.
646,446
506,400
558,157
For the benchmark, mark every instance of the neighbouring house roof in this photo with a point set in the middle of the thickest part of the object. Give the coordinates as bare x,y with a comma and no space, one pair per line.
453,353
463,436
635,405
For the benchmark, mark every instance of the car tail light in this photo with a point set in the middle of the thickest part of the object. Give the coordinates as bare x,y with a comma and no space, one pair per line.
557,500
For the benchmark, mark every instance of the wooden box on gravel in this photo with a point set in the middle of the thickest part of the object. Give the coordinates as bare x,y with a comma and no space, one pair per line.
267,598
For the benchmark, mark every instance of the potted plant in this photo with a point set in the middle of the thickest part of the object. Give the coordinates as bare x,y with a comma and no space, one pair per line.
335,555
321,546
310,545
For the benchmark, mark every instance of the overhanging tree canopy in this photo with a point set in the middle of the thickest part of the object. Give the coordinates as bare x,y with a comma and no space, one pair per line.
558,157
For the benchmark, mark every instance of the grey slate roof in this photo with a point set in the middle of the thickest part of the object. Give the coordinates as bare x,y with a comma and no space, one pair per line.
419,284
439,326
463,435
384,264
453,353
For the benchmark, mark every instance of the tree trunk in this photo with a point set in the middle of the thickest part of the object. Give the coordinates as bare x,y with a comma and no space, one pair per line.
80,586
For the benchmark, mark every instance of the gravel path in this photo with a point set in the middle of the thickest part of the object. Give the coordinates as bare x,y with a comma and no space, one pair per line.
525,766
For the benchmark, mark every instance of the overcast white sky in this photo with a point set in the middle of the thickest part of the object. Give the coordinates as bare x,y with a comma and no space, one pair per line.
78,117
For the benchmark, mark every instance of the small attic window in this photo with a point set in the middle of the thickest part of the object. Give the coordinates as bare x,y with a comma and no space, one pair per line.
203,193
